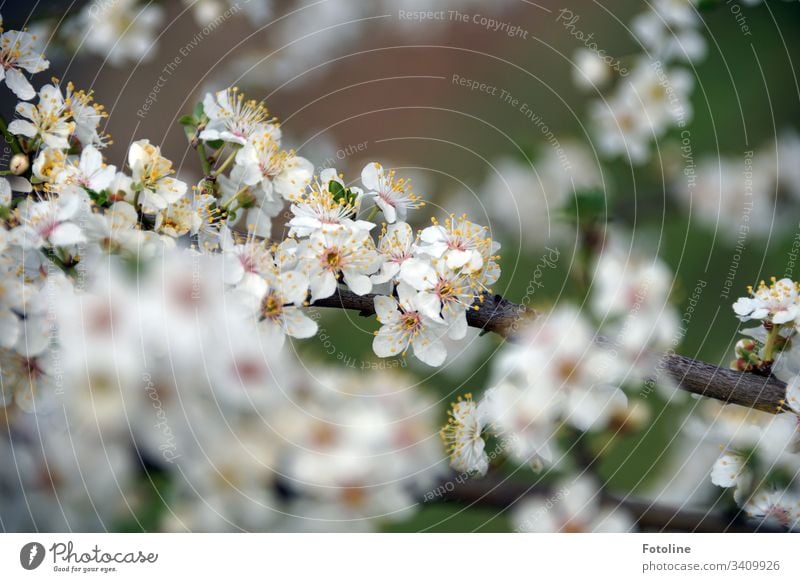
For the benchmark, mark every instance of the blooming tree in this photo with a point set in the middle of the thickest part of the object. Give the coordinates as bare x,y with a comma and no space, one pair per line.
148,321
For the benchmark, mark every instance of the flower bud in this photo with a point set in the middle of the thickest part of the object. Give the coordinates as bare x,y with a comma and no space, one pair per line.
740,365
19,164
745,347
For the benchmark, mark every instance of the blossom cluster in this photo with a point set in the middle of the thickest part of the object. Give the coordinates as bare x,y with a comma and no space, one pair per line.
118,282
654,95
759,457
560,374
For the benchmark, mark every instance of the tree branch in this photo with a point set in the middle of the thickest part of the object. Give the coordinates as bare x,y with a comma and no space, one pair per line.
503,493
500,316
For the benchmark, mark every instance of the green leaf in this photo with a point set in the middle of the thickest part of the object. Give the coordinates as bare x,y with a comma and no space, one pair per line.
336,189
99,198
199,111
189,120
215,144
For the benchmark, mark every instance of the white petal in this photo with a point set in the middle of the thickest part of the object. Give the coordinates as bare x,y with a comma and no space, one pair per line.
429,349
322,285
389,212
359,284
22,127
418,273
371,176
456,318
21,87
389,342
297,324
793,394
385,308
65,234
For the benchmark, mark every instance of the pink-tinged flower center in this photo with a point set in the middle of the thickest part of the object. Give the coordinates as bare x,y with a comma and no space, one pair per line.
445,290
411,321
388,197
48,227
332,259
457,244
247,262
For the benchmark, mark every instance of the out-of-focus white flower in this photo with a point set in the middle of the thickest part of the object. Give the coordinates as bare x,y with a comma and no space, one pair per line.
236,120
5,192
152,176
11,303
721,190
49,120
662,93
119,32
622,129
777,303
780,507
793,394
17,53
631,297
559,352
575,507
392,195
463,436
525,418
684,43
590,71
411,320
730,471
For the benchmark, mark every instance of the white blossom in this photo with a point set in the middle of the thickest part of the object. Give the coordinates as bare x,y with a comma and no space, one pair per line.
410,321
392,195
152,176
49,120
18,53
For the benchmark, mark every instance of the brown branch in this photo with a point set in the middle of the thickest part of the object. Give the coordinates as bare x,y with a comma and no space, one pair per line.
504,318
503,493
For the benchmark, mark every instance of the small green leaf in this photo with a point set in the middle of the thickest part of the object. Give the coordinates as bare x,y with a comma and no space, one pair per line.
99,198
336,189
189,120
199,111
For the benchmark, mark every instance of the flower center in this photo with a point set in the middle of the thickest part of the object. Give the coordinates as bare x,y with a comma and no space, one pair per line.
332,259
271,307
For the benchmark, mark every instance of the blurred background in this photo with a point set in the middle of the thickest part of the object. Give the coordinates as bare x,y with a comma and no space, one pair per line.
485,121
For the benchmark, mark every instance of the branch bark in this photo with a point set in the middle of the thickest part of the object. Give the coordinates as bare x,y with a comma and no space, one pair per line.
649,516
498,315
